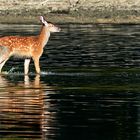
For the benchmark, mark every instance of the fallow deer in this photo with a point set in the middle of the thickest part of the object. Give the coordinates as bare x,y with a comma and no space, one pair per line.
26,47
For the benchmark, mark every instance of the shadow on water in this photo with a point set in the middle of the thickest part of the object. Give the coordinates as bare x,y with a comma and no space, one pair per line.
88,87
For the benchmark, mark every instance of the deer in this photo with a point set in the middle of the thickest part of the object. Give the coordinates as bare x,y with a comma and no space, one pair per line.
27,47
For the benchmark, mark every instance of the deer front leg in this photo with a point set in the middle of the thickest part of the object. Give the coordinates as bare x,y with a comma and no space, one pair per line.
37,66
26,66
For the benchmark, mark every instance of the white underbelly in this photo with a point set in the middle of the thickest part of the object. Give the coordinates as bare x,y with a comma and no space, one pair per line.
21,54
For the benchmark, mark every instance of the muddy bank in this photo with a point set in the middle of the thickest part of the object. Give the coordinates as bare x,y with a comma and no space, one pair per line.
70,11
66,18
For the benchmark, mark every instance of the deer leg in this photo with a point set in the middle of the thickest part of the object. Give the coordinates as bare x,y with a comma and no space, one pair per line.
4,56
37,66
26,66
2,64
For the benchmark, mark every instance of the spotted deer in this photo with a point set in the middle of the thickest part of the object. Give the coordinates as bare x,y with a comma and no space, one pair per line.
26,47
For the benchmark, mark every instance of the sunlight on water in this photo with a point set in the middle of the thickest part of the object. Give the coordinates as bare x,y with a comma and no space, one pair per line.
88,87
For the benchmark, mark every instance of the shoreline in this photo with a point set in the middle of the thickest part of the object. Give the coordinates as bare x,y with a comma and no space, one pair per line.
70,11
68,19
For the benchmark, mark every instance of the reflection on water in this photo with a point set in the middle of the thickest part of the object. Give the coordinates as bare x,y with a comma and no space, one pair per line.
88,87
22,108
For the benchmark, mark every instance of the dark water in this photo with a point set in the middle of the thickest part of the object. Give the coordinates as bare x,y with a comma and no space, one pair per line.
89,87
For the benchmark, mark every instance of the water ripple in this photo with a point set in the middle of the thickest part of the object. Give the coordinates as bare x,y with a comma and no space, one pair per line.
88,87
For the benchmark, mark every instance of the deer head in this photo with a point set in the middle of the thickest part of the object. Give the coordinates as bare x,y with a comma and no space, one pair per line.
51,27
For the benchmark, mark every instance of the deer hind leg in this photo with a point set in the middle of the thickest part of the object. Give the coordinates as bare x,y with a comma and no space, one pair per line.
4,56
2,64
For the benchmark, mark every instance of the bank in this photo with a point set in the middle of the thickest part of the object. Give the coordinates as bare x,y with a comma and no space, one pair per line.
71,11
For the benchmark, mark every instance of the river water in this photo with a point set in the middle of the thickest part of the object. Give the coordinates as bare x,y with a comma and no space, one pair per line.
89,86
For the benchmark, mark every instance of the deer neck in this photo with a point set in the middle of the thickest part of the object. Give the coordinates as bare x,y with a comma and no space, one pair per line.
44,35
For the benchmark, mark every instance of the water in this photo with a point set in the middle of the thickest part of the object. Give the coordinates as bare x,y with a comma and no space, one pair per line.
88,87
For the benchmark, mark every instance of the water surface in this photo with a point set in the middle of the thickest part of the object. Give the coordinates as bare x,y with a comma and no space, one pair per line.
88,87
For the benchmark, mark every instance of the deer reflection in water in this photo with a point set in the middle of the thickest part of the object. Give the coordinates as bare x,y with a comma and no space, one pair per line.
23,111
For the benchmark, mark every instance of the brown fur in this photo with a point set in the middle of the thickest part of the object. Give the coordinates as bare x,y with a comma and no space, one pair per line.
30,46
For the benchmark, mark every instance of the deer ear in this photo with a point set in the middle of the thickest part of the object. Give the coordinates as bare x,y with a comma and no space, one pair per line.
43,20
